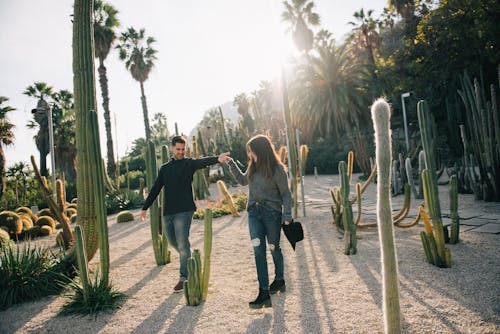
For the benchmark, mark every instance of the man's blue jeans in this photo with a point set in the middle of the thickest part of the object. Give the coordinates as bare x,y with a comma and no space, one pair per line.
177,227
265,222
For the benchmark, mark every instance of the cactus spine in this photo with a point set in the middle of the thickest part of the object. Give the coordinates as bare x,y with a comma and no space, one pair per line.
159,245
196,286
455,219
381,122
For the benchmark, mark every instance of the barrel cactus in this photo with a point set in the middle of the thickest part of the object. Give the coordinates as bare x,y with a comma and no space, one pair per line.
23,209
124,217
4,237
46,221
12,221
46,230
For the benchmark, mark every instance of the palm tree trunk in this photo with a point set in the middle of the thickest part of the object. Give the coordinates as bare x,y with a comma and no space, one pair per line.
103,81
145,113
2,172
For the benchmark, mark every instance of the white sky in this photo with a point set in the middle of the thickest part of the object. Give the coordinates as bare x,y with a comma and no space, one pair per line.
208,52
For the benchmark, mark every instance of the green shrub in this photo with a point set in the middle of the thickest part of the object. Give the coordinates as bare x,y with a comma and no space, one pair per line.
100,297
29,273
12,221
124,216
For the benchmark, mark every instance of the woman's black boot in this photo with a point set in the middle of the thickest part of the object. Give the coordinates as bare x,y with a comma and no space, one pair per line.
277,285
263,300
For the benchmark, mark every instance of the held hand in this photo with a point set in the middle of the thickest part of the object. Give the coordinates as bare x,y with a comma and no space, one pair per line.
224,157
143,215
286,222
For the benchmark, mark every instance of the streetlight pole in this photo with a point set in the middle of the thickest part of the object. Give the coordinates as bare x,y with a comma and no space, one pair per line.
403,96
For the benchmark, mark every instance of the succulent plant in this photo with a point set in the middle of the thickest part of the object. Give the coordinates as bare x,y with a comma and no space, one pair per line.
12,221
124,216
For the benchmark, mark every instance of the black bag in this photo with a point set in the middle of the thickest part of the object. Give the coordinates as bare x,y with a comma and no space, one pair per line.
293,232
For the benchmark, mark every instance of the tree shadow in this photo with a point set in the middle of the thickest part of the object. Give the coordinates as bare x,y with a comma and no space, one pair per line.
260,325
154,322
186,318
130,255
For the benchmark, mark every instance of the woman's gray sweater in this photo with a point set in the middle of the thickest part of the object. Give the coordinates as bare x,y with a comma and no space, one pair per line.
273,193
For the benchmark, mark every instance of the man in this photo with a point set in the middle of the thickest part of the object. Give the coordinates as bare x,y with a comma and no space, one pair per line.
177,178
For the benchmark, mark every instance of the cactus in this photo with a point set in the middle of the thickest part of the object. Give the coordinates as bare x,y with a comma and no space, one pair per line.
433,239
196,286
398,218
46,221
358,196
4,237
160,245
56,207
350,164
124,217
455,219
82,262
425,124
381,123
483,125
12,221
23,209
282,153
223,190
46,230
350,242
290,143
304,153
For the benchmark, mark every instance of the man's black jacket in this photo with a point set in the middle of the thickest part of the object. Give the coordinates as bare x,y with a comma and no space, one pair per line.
177,178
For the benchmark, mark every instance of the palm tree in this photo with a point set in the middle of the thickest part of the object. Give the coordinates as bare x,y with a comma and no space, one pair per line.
243,105
159,130
365,31
19,173
326,94
105,23
64,133
405,8
6,139
40,90
299,15
139,56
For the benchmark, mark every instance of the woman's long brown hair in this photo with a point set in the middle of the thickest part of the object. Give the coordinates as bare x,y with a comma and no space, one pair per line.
267,159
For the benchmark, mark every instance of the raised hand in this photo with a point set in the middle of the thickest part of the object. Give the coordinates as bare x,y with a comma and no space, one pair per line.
224,157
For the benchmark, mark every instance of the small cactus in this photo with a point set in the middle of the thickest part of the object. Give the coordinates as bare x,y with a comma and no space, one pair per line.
4,237
46,221
455,219
223,190
46,230
124,217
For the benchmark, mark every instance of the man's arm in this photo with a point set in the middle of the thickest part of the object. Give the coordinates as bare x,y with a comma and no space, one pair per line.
153,193
205,162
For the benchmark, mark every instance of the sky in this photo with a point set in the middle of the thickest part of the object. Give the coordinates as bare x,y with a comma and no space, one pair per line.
208,52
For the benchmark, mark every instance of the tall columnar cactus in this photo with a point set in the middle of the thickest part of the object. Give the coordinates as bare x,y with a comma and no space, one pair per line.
381,122
82,262
282,153
350,164
421,167
304,153
290,143
196,286
434,239
89,203
409,177
350,242
483,126
160,246
455,219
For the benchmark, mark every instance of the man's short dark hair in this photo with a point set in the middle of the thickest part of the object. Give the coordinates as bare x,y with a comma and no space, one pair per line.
178,139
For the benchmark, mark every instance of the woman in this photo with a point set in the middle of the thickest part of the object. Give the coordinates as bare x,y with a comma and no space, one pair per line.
269,205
